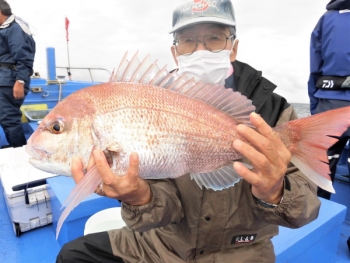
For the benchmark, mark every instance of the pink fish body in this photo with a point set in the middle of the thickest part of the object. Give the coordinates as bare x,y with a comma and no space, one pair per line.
173,134
177,126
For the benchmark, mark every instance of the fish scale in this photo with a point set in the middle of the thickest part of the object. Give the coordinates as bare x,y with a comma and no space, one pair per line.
170,136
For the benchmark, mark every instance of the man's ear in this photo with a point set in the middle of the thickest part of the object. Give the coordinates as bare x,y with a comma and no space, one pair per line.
233,54
173,51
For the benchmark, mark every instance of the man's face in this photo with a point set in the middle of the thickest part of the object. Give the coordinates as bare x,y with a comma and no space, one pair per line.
2,18
201,30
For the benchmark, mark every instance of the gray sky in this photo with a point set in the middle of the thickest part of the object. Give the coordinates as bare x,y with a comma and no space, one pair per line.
274,35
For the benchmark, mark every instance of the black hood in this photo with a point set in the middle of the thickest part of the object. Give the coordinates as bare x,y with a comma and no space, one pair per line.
338,5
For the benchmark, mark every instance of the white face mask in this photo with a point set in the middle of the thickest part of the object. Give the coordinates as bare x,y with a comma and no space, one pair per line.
206,66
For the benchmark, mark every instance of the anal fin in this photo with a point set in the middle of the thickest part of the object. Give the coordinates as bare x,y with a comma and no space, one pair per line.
217,180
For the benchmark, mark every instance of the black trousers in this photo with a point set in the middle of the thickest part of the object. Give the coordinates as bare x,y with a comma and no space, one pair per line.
10,117
334,151
91,248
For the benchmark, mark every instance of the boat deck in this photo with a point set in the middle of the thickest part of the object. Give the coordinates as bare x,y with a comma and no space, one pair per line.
342,196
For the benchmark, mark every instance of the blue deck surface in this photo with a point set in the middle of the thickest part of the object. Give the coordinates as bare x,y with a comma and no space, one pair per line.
322,234
40,245
342,196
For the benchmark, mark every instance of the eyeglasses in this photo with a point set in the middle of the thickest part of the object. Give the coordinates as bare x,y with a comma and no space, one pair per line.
213,42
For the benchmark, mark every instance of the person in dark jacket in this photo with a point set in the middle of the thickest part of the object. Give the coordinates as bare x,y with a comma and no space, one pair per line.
174,220
17,51
329,82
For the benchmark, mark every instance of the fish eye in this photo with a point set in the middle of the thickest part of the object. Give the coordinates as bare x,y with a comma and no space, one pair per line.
56,127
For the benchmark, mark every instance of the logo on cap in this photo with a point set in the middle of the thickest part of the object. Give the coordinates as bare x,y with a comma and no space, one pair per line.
200,5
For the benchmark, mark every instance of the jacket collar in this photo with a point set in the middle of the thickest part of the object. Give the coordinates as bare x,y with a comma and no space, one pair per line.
8,21
250,83
338,5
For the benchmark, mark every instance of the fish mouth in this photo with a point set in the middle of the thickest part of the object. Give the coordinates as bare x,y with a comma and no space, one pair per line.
37,155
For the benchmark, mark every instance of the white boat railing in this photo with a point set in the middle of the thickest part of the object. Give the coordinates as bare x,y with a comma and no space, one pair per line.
84,68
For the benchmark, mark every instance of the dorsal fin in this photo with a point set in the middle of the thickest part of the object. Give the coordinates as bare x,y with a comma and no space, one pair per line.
141,69
122,66
131,68
231,102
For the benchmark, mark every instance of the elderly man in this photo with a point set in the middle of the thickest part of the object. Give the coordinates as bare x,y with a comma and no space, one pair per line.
174,220
17,51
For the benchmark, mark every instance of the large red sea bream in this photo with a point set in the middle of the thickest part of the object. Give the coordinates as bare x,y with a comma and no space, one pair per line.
177,127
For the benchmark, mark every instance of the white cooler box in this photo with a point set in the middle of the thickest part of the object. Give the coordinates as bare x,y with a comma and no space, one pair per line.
27,200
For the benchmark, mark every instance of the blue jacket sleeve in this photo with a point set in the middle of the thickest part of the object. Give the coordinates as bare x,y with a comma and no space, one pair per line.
22,48
316,63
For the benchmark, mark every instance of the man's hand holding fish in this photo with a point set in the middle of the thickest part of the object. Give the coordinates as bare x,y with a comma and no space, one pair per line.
130,188
268,156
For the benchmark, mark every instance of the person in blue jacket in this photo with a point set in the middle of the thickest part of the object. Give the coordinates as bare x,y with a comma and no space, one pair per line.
17,51
329,82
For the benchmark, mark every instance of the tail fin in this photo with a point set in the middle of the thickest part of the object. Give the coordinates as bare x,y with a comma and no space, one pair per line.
82,190
308,140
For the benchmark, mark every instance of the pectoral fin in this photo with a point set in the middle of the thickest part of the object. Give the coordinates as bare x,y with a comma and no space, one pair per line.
82,190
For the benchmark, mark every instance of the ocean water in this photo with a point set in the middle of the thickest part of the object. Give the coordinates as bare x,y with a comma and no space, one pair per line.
302,109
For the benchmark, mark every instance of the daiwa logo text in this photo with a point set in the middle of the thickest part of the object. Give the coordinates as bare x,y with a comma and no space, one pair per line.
328,84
